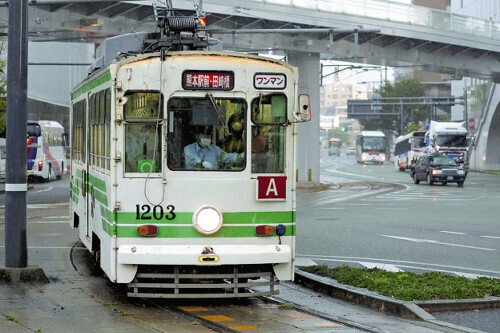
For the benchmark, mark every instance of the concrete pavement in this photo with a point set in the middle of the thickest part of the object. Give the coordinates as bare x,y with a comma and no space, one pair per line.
70,301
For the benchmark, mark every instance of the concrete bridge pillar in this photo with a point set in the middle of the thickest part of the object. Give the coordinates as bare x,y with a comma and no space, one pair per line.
485,154
308,133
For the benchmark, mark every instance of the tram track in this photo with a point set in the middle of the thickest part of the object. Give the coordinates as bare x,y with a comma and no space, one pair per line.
218,327
260,313
342,321
213,325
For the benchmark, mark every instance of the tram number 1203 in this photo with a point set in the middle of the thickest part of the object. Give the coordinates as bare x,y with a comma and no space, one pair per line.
147,212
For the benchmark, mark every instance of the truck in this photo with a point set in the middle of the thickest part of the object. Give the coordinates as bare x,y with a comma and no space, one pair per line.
449,138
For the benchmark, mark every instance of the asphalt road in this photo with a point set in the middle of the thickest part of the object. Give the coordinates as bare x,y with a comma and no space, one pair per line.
373,215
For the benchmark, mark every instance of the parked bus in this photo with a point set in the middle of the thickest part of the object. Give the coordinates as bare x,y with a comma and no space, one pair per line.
371,146
408,148
46,150
183,167
334,146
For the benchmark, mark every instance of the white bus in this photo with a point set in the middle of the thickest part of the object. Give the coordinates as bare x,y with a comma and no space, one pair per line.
371,146
408,148
183,169
46,150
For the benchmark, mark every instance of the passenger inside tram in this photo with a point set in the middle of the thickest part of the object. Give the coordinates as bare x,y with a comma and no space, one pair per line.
202,154
234,142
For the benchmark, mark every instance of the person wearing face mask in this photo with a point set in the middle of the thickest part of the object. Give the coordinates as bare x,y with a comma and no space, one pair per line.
202,154
234,142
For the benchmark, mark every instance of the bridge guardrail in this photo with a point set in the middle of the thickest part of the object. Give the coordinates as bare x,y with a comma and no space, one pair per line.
400,12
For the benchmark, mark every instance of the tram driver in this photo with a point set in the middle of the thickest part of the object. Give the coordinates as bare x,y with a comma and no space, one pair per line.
202,154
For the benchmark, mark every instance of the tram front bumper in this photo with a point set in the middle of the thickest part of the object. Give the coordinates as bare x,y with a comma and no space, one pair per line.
203,255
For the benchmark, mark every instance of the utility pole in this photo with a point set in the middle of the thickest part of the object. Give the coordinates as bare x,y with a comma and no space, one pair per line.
16,251
16,185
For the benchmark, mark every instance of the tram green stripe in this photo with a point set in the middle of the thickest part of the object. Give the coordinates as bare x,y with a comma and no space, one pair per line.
229,218
91,85
190,232
98,183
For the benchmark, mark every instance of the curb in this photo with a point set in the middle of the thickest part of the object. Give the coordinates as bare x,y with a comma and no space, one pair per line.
406,309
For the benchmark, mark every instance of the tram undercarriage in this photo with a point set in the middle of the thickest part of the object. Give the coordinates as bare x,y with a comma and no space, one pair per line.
231,281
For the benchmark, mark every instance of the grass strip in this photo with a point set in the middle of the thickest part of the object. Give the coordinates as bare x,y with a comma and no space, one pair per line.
408,286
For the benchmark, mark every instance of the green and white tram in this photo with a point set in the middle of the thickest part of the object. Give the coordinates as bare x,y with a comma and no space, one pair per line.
183,168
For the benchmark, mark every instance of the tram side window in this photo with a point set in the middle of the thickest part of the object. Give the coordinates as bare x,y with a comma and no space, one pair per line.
79,109
107,131
143,129
93,118
206,134
268,134
101,129
99,117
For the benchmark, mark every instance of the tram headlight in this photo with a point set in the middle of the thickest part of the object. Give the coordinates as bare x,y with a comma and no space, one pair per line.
207,220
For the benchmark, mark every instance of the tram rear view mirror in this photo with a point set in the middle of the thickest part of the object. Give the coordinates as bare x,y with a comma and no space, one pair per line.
303,113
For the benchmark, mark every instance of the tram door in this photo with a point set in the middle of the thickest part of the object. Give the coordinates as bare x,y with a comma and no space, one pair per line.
87,136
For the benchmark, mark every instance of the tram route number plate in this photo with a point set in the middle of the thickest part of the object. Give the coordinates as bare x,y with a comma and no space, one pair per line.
271,188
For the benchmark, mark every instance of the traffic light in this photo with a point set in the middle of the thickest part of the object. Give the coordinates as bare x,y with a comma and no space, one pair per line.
343,129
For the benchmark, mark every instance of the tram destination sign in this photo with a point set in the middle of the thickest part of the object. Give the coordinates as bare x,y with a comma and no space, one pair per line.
207,80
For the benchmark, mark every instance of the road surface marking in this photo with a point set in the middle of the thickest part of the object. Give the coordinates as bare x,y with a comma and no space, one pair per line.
385,267
217,318
416,240
453,232
47,189
491,237
190,308
399,263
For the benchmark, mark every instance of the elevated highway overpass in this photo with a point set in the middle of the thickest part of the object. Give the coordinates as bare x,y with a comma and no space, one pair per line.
407,35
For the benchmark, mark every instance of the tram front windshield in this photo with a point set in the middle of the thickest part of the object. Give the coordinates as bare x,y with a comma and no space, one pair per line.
210,134
206,134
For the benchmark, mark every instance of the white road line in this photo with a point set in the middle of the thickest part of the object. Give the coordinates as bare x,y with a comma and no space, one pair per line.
393,208
47,189
385,267
399,263
334,208
453,232
416,240
467,275
491,237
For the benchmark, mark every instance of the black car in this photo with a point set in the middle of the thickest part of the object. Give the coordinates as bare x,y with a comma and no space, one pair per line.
437,168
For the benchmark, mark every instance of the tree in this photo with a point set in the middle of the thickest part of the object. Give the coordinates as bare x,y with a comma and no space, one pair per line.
407,87
413,128
341,134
